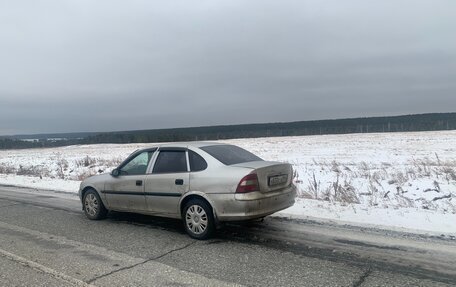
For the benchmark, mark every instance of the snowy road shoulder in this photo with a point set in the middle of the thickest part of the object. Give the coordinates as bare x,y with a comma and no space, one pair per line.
45,183
411,220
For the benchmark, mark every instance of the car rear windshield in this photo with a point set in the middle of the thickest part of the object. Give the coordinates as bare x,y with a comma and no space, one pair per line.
230,154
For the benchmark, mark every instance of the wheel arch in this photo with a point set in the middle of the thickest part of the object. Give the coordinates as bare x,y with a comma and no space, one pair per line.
90,187
197,195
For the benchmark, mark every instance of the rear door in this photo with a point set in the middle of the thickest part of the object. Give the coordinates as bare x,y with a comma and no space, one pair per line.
126,191
168,181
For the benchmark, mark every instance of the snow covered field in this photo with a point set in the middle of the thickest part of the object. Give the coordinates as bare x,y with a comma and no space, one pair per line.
399,180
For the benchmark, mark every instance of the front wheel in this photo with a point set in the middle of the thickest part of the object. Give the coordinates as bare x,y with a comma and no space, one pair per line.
93,206
198,219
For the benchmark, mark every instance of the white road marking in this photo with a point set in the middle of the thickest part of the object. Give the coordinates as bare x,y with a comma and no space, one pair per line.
153,270
41,268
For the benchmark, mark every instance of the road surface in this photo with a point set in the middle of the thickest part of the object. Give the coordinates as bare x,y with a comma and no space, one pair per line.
45,240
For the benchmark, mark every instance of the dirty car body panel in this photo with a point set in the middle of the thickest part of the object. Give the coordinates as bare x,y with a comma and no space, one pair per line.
160,180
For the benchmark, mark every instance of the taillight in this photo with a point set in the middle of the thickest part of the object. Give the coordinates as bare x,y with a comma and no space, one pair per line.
248,183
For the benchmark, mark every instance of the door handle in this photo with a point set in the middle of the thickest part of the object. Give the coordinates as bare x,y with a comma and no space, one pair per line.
179,181
138,182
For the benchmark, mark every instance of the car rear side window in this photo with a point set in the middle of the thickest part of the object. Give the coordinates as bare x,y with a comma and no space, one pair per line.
197,162
170,161
230,154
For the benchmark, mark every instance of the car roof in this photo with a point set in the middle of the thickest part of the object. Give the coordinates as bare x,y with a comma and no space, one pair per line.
196,144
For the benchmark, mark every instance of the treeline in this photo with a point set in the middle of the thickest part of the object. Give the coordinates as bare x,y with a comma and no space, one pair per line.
11,143
423,122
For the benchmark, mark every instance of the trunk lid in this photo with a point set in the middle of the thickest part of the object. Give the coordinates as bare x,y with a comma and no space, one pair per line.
272,175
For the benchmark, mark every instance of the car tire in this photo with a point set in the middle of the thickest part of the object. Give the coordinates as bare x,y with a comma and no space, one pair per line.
92,205
198,219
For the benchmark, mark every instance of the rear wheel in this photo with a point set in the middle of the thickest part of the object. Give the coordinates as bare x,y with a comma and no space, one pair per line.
198,219
93,206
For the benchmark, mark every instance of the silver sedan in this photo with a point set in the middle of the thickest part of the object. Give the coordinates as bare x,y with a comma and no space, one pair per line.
201,183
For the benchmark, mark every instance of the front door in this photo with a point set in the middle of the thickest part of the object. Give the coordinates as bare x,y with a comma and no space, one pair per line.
168,182
126,191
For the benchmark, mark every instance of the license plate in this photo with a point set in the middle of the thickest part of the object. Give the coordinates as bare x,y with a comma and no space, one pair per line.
278,179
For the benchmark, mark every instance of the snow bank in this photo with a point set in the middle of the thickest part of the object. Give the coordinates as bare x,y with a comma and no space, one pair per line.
400,219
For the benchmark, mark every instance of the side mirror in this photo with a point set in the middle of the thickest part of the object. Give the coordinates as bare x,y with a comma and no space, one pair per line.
115,172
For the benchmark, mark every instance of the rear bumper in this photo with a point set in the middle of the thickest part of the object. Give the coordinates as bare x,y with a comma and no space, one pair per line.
239,207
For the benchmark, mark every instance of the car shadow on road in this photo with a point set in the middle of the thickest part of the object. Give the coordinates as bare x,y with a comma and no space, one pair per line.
148,221
233,231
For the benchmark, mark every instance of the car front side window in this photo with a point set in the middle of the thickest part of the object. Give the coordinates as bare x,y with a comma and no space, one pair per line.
137,165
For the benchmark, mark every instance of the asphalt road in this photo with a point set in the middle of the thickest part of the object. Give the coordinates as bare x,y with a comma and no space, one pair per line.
45,240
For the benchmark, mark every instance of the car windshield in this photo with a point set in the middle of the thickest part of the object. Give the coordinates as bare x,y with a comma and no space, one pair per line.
230,154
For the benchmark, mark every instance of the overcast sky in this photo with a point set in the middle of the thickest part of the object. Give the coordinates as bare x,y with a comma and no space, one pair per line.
69,66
